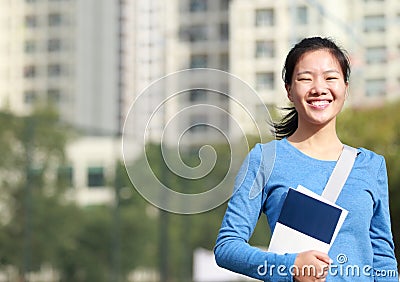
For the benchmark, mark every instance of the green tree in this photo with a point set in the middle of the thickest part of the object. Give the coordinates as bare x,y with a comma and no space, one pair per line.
112,239
39,225
34,224
137,227
88,258
185,233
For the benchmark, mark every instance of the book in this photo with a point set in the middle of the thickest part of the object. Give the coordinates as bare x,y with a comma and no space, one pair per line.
307,221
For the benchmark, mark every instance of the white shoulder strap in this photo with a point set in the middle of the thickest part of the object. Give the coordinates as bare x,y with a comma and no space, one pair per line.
340,173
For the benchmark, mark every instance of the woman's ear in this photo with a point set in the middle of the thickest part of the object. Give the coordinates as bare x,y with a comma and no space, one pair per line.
287,87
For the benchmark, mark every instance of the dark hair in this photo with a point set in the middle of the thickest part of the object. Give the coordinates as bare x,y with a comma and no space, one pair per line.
288,124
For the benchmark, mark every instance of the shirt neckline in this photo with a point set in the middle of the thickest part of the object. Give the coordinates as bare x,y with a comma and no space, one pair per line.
305,156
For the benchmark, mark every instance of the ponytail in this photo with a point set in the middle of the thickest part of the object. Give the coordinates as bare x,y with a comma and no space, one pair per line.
287,125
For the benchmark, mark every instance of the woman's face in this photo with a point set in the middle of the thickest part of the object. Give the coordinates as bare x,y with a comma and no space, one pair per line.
318,89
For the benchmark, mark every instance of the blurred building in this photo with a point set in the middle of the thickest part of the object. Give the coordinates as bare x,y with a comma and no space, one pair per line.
262,32
376,52
70,54
148,30
201,40
91,59
184,34
91,169
65,53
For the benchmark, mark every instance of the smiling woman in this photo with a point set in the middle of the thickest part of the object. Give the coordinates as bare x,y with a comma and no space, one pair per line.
317,90
288,125
316,75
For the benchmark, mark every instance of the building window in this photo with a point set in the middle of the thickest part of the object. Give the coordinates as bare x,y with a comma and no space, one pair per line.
30,71
374,23
264,80
54,70
95,176
198,123
30,97
198,5
265,49
224,31
198,61
301,15
198,95
224,123
54,19
194,33
53,95
375,87
30,46
53,45
65,176
376,55
265,17
224,62
31,21
224,5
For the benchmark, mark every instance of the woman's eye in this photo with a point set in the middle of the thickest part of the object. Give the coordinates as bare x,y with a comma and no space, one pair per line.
304,79
332,78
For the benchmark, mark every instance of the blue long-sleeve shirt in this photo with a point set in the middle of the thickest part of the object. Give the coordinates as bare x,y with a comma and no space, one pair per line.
363,249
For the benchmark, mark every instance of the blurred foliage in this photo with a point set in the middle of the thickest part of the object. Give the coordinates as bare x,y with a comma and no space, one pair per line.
33,222
112,240
185,233
39,225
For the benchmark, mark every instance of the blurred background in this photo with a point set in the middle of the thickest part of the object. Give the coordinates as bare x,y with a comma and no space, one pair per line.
71,69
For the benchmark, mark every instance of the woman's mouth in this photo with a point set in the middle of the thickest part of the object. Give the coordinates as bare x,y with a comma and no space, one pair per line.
319,104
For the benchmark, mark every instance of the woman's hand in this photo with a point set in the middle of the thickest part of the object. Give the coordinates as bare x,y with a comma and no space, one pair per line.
311,266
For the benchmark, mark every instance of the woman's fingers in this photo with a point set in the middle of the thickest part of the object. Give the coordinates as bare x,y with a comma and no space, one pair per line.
312,266
322,256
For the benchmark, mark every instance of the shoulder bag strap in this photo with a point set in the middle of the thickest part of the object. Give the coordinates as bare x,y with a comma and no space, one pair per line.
340,173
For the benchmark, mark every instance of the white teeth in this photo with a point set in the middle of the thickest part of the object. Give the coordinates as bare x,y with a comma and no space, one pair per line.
319,103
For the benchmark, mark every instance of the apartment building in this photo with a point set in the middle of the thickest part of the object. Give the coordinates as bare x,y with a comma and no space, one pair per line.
377,69
185,34
65,53
69,54
262,32
93,59
203,37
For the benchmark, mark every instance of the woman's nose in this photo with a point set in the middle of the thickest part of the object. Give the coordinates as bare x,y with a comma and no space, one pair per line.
319,87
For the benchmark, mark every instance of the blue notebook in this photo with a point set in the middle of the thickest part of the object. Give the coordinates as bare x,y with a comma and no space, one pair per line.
306,222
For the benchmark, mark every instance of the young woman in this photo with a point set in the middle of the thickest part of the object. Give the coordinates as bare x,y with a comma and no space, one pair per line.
315,74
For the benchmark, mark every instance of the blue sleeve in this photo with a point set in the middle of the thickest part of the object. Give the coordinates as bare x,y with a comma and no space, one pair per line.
384,262
232,250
